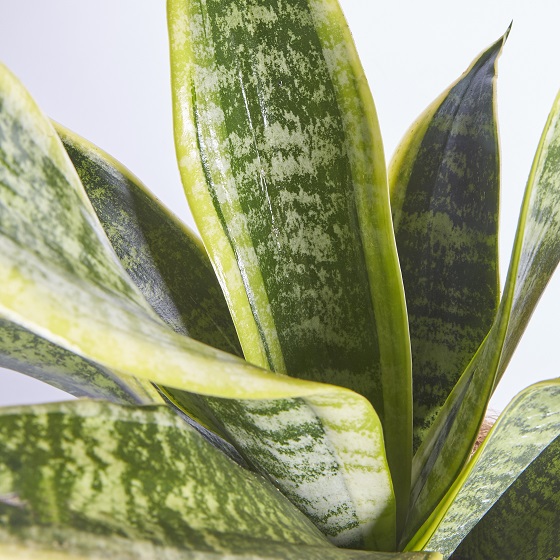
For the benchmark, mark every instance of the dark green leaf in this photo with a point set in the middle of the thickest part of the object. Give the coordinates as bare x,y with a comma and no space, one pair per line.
444,191
525,522
529,425
77,294
536,254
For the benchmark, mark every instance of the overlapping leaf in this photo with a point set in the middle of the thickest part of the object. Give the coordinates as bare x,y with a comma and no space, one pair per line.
23,351
77,480
535,256
282,162
63,282
444,192
525,430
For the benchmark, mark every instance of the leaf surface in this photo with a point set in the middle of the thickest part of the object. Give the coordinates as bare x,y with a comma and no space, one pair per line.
524,431
23,351
63,282
536,254
445,185
282,162
524,523
94,480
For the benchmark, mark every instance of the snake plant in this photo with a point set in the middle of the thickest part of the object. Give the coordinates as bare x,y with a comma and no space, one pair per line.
308,380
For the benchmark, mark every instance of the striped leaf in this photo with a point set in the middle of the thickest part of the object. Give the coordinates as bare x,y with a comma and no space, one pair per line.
281,158
519,440
63,281
24,351
445,186
536,254
524,522
93,480
164,259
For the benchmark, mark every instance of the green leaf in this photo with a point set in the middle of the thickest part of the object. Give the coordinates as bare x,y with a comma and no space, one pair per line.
524,522
524,431
445,185
23,351
536,254
61,279
90,466
282,161
77,480
132,218
165,259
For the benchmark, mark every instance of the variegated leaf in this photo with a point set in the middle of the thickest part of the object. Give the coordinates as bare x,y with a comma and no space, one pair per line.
524,523
536,254
23,351
445,186
282,161
65,283
93,480
524,431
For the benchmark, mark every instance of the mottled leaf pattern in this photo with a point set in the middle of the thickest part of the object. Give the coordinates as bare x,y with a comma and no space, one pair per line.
23,351
535,256
67,304
135,472
282,162
161,255
78,478
444,189
524,523
163,258
522,433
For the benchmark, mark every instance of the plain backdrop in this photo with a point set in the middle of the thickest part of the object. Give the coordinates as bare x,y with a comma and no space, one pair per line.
100,67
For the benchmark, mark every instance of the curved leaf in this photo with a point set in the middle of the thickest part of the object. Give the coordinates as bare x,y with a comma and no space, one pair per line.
281,158
524,431
69,287
93,480
136,472
445,185
524,523
165,260
536,254
161,255
23,351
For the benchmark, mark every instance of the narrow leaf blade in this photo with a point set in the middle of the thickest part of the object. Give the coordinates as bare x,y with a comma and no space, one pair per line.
444,190
536,254
23,351
281,158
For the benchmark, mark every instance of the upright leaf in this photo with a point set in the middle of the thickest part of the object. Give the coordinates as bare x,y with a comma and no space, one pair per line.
77,294
522,434
444,191
135,224
281,158
536,254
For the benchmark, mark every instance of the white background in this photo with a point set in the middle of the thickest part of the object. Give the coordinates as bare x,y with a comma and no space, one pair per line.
101,68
